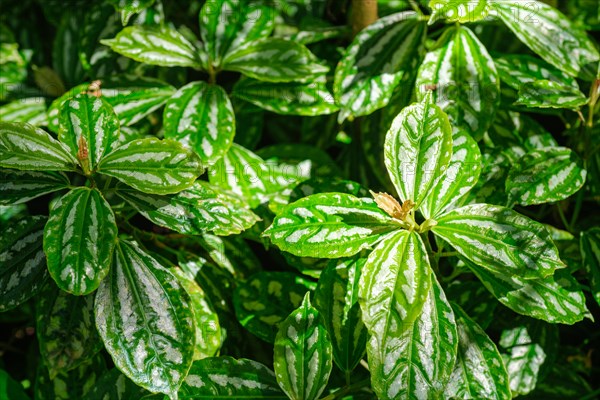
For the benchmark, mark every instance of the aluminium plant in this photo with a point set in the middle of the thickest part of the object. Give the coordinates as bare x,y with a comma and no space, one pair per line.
299,199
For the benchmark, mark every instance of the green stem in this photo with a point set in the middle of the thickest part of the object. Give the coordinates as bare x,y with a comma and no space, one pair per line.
347,389
564,219
578,204
591,396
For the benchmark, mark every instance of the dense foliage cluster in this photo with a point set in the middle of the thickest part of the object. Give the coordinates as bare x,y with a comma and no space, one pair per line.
303,199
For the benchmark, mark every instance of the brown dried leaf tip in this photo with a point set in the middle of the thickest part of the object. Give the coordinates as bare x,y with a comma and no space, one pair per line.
94,88
83,154
391,206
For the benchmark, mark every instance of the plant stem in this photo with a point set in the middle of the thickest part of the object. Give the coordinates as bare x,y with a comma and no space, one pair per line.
347,389
363,14
563,218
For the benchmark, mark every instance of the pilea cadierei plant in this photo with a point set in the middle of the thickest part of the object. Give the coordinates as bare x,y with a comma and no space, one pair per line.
299,199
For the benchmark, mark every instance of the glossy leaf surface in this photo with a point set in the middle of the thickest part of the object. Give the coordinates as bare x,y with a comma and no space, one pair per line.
79,239
302,353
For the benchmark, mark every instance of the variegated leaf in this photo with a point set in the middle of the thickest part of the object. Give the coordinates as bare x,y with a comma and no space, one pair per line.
65,53
418,148
500,240
329,225
31,110
336,298
25,147
132,98
275,60
199,209
22,261
247,175
458,179
18,187
89,126
228,378
518,69
467,86
129,7
402,363
479,370
208,330
79,239
590,254
319,34
153,166
550,34
227,25
308,99
114,385
376,61
548,94
266,299
523,359
543,176
65,329
145,319
461,11
156,45
555,299
69,385
302,353
200,115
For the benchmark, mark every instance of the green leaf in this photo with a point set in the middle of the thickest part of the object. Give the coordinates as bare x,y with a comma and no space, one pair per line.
23,267
401,361
418,148
79,239
302,353
208,330
319,34
458,179
329,225
227,25
547,32
31,110
474,299
275,60
374,64
336,298
65,329
145,320
548,94
467,86
199,209
201,116
308,99
18,187
155,45
69,385
590,255
228,378
11,389
543,176
518,69
114,385
524,359
555,299
500,240
132,98
479,370
65,52
89,126
462,11
153,166
247,175
25,147
129,7
266,299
